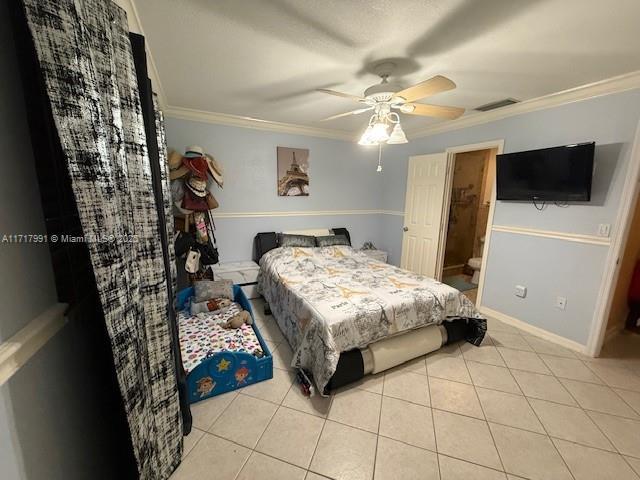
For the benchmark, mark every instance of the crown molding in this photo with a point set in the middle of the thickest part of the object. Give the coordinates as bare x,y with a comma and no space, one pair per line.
255,123
620,83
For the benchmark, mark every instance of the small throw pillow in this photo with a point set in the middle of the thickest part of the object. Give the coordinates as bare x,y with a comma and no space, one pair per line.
208,289
286,240
331,240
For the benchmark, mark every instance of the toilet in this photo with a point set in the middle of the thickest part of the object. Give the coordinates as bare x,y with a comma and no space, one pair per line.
475,263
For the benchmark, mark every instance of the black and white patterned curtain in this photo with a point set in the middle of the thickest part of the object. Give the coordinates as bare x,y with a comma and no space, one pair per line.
84,53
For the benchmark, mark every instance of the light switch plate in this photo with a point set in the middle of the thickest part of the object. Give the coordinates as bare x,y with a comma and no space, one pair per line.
521,291
604,229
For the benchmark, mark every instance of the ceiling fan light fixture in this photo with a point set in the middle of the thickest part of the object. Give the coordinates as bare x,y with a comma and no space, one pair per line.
367,138
397,136
380,132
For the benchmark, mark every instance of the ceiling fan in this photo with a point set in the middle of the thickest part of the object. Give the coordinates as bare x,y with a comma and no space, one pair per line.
385,97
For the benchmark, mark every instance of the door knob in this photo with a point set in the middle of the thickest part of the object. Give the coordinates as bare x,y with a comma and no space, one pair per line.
405,229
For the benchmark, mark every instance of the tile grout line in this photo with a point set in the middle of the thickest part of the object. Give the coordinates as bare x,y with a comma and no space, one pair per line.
405,443
457,413
375,455
585,363
252,451
495,445
204,432
263,432
262,435
545,428
433,420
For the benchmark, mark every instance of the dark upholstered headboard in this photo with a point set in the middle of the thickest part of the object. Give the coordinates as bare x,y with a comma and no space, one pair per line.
266,241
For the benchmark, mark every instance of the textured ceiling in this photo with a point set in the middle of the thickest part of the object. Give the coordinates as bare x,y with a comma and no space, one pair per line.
264,58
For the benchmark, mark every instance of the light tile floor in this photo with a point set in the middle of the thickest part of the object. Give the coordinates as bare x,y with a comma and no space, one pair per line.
518,407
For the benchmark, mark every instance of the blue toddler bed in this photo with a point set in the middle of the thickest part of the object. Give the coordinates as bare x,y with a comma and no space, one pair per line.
229,369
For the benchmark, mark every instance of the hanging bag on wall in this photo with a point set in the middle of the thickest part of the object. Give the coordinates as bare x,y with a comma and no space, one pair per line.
192,265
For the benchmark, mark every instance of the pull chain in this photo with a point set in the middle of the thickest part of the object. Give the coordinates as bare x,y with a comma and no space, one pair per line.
379,169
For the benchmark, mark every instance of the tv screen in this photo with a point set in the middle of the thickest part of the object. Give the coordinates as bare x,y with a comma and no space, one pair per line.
549,174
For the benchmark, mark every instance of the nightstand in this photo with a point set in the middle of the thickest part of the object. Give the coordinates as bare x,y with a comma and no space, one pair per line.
244,274
377,254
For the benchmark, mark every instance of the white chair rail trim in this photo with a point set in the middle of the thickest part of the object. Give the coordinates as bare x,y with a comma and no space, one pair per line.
305,213
569,237
17,350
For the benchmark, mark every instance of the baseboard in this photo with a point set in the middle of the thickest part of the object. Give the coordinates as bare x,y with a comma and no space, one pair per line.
453,270
537,331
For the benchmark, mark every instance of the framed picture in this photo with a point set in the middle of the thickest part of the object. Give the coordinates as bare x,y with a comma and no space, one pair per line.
293,172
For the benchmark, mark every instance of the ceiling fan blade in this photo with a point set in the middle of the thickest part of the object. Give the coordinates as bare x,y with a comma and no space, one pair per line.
432,110
340,94
427,88
353,112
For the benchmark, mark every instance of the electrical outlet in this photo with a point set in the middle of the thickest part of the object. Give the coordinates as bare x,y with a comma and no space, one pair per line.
604,229
521,291
561,303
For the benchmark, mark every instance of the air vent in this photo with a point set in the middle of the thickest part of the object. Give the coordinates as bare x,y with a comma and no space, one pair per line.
498,104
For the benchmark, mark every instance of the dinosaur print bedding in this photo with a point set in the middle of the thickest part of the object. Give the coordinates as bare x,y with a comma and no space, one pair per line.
330,300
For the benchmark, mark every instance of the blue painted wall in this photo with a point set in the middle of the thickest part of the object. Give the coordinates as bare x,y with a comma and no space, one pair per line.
343,177
548,267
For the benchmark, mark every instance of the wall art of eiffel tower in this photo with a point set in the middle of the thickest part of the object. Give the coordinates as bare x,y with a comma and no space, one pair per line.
294,181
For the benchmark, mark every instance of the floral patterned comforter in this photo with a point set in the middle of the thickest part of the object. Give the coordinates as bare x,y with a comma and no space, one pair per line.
332,299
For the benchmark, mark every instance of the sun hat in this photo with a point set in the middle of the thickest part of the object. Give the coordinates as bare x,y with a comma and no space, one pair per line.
197,165
193,151
177,169
174,160
215,170
197,186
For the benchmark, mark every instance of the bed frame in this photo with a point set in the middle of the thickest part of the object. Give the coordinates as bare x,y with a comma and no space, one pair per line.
267,241
353,364
226,371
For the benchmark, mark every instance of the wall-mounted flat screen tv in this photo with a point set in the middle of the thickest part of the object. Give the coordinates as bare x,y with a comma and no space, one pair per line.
560,174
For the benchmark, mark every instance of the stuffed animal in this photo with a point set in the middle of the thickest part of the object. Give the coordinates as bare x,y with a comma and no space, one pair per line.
238,320
210,305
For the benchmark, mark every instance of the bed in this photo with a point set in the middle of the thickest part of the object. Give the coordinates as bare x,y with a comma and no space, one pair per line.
332,300
218,360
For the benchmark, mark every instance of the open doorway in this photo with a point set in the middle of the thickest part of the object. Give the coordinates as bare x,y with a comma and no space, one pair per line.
625,304
470,193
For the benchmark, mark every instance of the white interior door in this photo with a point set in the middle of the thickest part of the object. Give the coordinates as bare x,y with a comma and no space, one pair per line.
423,213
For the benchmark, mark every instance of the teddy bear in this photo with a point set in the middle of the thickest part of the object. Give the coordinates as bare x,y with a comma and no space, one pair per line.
238,320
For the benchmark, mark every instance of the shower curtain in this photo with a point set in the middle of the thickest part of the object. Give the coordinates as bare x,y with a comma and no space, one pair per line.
84,53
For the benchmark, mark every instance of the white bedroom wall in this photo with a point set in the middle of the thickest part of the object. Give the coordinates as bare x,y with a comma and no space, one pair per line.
548,267
344,186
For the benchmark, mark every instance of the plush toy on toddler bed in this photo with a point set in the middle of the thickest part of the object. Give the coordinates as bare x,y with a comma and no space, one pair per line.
209,305
238,320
